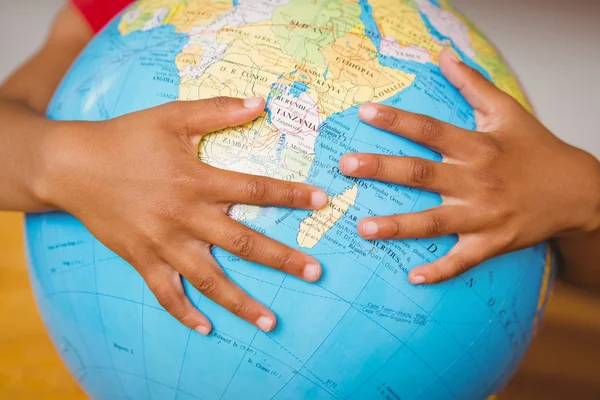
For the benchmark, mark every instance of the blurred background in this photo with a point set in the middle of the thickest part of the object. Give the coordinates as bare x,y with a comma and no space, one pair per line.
554,48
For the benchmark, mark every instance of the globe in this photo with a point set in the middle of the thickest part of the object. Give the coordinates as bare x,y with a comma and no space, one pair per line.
361,332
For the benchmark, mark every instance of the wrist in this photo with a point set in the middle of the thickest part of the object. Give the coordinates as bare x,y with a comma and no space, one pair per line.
586,207
594,221
56,150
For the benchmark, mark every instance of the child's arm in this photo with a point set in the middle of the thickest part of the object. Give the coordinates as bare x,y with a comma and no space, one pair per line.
511,185
24,97
138,186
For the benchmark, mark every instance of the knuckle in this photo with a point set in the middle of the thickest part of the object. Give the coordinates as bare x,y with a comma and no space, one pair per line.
155,236
166,215
241,244
167,302
281,261
396,228
164,294
378,166
390,120
237,307
491,152
462,265
291,195
429,129
256,189
189,182
207,285
491,183
422,172
498,214
220,104
436,226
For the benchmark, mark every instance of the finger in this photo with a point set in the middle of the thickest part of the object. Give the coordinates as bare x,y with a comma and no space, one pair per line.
241,188
250,245
168,289
479,92
204,273
197,118
446,139
461,258
439,221
408,171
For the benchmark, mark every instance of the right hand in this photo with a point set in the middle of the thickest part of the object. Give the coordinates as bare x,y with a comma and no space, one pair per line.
136,183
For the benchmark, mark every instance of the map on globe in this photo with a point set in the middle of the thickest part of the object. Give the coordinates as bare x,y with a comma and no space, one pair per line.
361,332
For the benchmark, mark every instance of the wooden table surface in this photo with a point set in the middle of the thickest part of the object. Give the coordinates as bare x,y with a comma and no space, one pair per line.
563,362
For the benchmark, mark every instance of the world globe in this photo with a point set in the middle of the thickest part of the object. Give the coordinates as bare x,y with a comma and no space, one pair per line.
362,331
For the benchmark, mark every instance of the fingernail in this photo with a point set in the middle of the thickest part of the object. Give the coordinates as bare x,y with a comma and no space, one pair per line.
369,228
348,164
265,324
203,330
417,280
367,111
319,199
252,102
311,272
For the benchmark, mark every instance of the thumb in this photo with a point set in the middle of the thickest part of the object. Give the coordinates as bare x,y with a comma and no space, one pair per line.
480,93
198,118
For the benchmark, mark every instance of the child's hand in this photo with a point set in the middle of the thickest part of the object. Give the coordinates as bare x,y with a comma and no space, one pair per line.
511,185
138,186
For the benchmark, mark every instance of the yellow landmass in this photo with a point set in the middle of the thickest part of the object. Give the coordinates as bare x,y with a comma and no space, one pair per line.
183,14
354,74
294,165
353,58
199,13
255,61
304,27
250,66
491,60
320,222
250,148
190,57
401,21
138,15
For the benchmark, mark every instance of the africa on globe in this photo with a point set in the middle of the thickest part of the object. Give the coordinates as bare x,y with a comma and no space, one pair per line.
362,331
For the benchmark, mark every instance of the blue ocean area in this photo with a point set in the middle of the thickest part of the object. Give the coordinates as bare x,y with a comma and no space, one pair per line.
110,61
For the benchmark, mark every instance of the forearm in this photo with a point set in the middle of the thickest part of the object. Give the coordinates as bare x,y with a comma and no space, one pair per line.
24,97
22,134
579,251
580,260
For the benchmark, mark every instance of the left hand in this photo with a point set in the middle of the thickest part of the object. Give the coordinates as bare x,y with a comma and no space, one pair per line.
507,186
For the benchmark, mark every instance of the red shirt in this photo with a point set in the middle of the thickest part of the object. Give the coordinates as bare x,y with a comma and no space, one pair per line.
99,12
